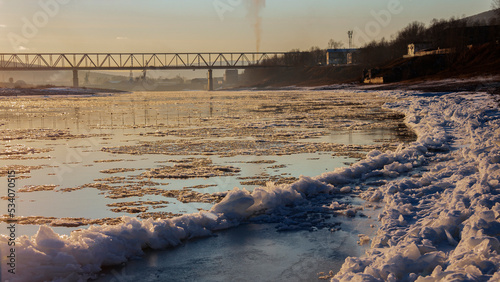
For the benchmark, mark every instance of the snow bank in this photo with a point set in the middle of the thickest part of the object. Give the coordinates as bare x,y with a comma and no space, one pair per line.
442,224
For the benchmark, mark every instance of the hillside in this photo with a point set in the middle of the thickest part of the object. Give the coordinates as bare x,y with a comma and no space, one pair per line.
483,18
483,60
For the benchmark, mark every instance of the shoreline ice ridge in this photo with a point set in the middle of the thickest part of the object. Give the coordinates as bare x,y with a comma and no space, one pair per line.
443,224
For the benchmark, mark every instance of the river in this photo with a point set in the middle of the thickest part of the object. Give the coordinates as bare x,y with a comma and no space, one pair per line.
84,160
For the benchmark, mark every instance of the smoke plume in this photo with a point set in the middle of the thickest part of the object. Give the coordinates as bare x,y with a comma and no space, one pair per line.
255,8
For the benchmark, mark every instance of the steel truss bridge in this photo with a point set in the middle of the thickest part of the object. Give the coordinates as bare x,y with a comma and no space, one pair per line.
138,61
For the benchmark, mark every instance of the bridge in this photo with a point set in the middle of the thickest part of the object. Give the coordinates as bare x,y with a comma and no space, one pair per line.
139,61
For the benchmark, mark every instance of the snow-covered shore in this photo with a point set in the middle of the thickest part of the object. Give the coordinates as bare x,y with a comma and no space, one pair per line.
440,223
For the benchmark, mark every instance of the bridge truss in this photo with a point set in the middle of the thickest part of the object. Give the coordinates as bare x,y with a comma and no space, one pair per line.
134,61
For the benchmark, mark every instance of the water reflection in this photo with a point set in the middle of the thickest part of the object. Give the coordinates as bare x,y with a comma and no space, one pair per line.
93,123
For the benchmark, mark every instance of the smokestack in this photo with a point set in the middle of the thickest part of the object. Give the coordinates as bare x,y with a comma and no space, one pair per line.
255,8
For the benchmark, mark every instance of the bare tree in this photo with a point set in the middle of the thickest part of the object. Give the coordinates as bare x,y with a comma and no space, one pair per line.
332,44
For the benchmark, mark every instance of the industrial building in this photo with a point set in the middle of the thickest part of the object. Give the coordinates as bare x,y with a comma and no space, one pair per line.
231,77
340,56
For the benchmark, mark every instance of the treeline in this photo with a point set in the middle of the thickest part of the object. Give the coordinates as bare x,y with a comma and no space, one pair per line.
454,33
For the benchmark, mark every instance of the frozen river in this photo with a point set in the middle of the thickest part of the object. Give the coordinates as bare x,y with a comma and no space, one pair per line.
84,161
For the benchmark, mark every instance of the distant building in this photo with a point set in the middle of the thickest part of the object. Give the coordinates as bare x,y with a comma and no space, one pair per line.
424,49
199,81
218,80
415,48
231,77
340,56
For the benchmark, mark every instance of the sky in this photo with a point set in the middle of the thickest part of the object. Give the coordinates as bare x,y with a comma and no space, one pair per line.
210,25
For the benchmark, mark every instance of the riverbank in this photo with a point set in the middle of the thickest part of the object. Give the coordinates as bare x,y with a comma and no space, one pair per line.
44,91
443,222
474,69
489,84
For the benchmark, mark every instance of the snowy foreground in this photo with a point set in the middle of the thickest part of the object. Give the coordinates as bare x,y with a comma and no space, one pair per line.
440,224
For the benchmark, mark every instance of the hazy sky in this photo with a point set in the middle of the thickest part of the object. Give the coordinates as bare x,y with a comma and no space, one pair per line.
209,25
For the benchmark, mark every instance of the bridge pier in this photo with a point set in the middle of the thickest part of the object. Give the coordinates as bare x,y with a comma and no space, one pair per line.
75,78
210,80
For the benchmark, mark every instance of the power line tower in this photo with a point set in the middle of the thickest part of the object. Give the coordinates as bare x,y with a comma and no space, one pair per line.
350,33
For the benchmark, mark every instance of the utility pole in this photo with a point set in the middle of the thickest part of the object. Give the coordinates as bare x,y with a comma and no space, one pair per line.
350,33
